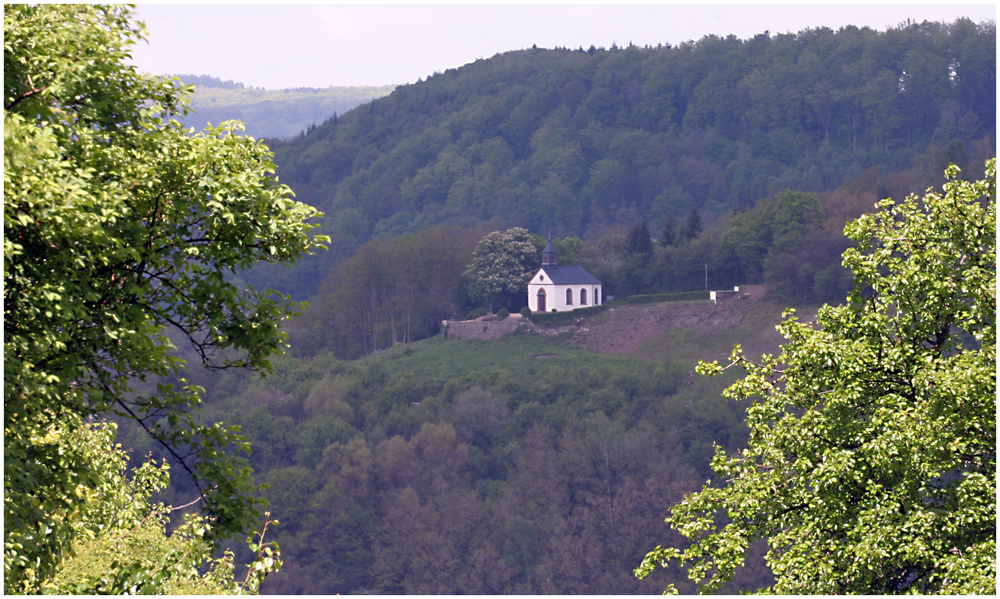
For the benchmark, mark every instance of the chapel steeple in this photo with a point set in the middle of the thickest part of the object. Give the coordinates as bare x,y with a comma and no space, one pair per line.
550,257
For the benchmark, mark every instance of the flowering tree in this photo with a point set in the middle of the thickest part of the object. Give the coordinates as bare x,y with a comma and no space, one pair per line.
501,266
121,543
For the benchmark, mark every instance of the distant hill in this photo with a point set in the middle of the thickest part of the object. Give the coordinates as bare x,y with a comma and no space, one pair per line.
585,142
273,114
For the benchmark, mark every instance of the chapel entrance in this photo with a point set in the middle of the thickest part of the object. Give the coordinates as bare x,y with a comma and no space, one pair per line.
541,300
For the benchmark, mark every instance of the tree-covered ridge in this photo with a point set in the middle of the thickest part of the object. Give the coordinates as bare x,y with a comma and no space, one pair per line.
208,81
584,141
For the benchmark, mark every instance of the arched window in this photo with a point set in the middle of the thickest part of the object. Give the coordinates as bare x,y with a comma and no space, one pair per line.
583,297
569,297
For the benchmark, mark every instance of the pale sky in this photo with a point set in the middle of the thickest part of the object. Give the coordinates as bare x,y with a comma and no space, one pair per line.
278,46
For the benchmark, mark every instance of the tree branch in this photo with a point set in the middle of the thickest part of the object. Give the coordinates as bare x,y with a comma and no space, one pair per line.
29,94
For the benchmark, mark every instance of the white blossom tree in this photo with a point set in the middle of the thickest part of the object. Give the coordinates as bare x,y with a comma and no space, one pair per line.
501,266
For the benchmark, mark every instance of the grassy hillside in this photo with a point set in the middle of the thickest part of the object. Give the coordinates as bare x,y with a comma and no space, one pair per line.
468,359
696,330
620,340
623,340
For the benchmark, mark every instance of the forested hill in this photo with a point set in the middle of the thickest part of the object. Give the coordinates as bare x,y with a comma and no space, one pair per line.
271,113
583,141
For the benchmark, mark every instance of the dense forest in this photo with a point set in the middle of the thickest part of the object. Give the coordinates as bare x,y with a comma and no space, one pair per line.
400,461
587,142
523,465
736,160
528,465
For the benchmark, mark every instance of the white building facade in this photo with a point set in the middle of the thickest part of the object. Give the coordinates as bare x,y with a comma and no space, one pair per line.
557,288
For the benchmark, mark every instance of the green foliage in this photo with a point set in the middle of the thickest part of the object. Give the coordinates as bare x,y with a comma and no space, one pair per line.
589,448
120,227
121,543
871,462
693,225
474,463
639,242
502,264
668,233
775,225
391,291
790,242
593,142
568,248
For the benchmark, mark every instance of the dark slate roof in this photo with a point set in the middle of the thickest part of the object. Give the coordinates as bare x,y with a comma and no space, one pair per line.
570,275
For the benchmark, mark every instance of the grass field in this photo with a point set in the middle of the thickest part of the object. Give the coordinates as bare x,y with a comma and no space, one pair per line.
518,352
666,338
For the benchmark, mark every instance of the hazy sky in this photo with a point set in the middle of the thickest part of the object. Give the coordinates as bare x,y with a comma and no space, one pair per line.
279,46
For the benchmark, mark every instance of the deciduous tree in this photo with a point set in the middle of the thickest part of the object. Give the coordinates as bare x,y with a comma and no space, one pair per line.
119,227
121,543
502,264
871,462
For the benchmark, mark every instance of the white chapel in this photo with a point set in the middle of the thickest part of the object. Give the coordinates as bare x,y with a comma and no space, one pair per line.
557,288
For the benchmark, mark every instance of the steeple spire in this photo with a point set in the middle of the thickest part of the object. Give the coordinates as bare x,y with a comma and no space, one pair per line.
550,257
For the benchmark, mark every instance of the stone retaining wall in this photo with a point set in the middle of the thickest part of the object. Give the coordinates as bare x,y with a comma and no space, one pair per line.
481,329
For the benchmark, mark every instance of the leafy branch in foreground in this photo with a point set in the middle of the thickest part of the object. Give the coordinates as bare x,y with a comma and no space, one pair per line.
120,541
871,462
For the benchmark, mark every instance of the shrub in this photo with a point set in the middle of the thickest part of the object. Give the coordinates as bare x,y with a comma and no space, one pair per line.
477,313
566,317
